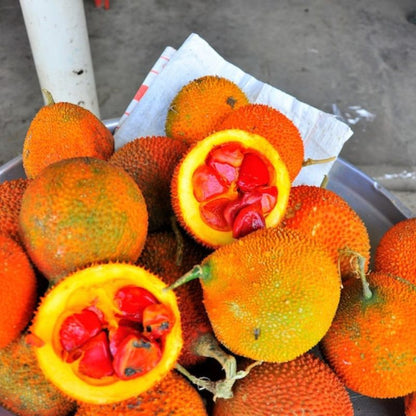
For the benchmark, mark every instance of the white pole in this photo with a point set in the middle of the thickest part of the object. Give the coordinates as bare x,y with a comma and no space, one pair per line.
58,37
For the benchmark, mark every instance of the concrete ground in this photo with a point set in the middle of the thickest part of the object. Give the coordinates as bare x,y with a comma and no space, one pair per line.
352,58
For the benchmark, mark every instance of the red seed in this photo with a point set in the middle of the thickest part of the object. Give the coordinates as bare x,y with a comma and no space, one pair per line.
248,219
213,213
206,183
136,356
96,361
158,321
78,328
132,300
253,173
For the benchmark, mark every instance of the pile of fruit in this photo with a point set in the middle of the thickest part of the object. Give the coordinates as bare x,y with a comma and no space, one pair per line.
186,275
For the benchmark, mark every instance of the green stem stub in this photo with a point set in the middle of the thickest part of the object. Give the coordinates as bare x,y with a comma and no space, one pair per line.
197,272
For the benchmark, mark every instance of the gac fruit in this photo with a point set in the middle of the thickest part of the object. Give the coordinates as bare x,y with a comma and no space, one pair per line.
107,333
228,185
61,131
150,161
271,295
371,344
303,386
82,211
18,290
200,106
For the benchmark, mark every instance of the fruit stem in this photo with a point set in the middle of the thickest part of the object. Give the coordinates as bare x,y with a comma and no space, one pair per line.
309,161
209,347
179,241
48,95
359,269
197,272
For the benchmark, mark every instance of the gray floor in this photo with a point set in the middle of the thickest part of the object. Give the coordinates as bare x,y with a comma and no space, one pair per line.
350,57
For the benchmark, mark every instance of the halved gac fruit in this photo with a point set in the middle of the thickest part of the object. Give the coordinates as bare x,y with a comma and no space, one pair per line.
228,185
107,333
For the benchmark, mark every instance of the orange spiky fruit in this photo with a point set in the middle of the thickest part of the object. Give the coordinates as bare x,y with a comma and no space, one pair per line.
11,192
229,184
200,106
173,396
151,162
371,344
396,251
303,386
24,390
18,290
270,295
64,130
81,211
107,333
170,256
328,218
272,124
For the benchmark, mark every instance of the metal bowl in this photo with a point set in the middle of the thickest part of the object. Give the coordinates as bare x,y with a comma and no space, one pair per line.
378,208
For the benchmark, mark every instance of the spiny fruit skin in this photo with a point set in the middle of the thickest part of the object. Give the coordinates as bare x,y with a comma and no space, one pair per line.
81,211
173,396
160,257
201,105
270,123
271,295
410,404
303,386
151,162
396,251
23,388
18,290
371,344
11,192
329,219
61,131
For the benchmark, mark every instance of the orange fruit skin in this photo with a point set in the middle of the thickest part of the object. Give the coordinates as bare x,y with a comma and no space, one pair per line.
61,131
18,290
81,211
159,256
151,161
271,295
23,388
11,193
270,123
371,344
327,218
396,250
303,386
200,106
173,396
410,404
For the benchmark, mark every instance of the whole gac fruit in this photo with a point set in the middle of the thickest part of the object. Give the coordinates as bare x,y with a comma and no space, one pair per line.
271,295
272,124
303,386
201,105
328,218
64,130
396,251
81,211
18,290
173,396
371,344
150,161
